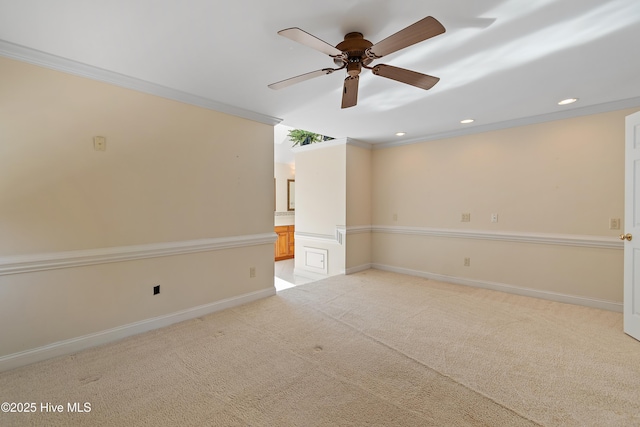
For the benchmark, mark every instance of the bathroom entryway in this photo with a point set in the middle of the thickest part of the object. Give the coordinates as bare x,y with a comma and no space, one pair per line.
284,277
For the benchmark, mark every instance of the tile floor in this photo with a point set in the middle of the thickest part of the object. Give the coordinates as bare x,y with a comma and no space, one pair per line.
284,277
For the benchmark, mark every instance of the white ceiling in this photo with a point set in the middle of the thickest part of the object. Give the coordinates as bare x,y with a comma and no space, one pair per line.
501,62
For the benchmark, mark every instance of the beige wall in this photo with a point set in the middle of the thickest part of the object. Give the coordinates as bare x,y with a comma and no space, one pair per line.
320,202
321,187
171,173
47,307
178,173
166,175
561,178
358,187
333,184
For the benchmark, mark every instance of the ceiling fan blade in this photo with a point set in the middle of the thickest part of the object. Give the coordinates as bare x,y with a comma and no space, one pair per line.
300,78
302,37
422,30
350,91
413,78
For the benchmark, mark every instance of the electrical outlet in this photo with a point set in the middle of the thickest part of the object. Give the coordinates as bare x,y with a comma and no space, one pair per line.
614,223
99,143
467,262
252,272
395,216
466,217
494,217
156,289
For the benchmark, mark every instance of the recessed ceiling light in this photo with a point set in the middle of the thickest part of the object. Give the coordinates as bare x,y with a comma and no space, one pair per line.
466,121
567,101
401,133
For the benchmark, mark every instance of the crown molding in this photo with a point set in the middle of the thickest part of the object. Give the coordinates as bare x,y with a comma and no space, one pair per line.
523,121
58,63
358,143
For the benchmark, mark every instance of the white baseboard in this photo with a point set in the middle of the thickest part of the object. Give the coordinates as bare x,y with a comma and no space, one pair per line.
502,287
74,345
357,269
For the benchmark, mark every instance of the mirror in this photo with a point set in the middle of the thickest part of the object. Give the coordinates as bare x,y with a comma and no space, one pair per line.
291,195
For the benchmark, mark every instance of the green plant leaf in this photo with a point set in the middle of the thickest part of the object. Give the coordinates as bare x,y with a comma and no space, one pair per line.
304,137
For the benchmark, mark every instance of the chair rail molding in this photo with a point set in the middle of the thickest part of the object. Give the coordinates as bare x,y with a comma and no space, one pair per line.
49,261
327,238
577,240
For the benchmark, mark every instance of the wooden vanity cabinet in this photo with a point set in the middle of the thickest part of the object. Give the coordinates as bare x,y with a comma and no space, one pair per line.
284,246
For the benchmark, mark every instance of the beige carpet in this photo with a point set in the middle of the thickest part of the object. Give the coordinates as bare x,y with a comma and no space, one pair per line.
373,348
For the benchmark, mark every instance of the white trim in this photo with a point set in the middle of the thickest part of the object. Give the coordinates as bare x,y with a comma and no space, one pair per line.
327,238
320,254
341,232
357,268
74,345
361,144
502,287
358,229
524,121
48,261
43,59
576,240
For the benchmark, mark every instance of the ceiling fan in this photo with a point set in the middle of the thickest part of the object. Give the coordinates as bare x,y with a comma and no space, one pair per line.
355,53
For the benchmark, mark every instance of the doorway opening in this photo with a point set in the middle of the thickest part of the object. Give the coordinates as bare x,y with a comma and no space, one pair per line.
284,211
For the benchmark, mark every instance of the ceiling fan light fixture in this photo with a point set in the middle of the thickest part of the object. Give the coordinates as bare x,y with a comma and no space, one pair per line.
467,121
355,53
567,101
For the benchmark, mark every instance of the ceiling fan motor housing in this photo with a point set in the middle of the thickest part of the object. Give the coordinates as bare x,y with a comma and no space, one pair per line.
353,47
